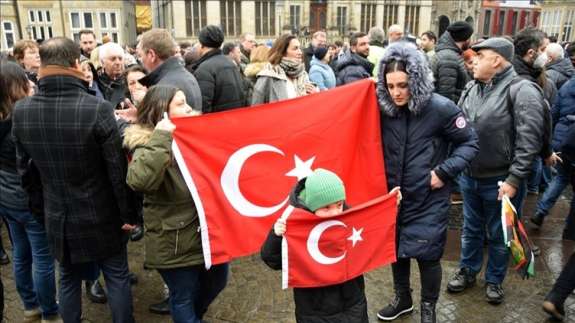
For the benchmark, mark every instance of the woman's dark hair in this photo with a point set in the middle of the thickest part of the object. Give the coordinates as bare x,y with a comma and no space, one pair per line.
155,103
279,48
14,85
395,66
131,69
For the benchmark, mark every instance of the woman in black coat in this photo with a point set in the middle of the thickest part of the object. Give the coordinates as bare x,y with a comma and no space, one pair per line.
427,143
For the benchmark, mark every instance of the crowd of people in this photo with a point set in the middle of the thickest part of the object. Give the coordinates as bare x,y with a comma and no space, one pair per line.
86,160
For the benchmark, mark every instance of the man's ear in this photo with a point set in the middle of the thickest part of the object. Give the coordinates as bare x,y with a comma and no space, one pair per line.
77,65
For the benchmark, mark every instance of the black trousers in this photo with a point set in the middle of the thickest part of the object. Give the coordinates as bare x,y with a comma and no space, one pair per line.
565,283
430,273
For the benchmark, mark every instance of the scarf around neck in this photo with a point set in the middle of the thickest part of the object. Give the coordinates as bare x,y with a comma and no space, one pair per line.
292,68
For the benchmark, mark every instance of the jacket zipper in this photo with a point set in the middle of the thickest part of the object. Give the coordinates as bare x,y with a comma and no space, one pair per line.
177,238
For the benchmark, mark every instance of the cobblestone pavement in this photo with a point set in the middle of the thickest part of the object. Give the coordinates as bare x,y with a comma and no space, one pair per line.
254,292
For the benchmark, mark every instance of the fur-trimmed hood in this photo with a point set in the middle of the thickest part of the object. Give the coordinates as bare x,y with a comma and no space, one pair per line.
420,78
252,69
136,135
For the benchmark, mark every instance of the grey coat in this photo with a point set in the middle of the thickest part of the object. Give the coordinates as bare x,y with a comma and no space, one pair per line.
509,125
448,69
560,71
271,85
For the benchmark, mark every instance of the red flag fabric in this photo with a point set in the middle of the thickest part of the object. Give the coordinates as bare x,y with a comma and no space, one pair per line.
240,165
326,251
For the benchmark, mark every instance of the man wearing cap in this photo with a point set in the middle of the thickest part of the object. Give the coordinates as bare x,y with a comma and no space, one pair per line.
220,81
507,114
447,65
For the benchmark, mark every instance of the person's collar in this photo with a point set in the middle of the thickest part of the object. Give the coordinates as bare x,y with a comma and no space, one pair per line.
50,70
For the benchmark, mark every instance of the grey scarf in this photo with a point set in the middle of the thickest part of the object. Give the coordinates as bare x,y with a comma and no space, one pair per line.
292,68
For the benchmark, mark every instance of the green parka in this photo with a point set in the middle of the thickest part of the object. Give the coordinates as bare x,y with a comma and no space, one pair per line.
172,238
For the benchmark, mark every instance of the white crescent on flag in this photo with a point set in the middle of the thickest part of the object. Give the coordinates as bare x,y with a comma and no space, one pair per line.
313,240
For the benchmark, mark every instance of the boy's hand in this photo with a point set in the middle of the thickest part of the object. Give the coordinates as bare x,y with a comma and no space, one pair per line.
280,227
399,196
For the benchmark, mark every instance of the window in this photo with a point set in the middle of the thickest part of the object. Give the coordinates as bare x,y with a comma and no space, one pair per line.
514,22
9,38
501,22
109,25
295,17
390,14
341,20
39,24
367,16
568,25
196,16
486,22
412,17
230,17
79,21
265,18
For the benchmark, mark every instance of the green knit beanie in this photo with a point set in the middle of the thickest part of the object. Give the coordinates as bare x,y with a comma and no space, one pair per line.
322,188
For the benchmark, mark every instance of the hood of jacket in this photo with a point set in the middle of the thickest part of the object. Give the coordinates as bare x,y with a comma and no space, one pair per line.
317,62
351,58
562,66
420,78
274,71
136,135
252,69
446,42
525,70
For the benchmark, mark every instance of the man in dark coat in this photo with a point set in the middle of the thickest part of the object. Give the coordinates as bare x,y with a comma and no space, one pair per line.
319,39
156,50
73,139
111,81
447,64
354,65
559,70
508,115
220,81
247,43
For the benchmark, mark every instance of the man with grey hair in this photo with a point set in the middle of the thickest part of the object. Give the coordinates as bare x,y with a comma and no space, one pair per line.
394,33
319,39
111,80
247,43
376,47
559,69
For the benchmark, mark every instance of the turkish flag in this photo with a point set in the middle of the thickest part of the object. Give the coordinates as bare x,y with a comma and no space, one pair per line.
241,165
328,251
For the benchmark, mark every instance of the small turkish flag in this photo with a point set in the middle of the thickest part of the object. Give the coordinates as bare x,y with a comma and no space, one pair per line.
326,251
241,165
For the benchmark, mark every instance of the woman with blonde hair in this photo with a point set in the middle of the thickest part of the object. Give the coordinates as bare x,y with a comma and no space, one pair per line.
258,59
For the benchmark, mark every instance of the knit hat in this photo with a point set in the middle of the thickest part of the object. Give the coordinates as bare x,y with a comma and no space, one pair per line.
322,188
460,31
211,36
320,52
499,45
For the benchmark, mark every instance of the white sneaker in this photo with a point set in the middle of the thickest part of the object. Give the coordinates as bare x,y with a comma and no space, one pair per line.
32,315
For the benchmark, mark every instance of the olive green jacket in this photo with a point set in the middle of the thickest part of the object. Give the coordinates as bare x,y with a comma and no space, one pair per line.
172,237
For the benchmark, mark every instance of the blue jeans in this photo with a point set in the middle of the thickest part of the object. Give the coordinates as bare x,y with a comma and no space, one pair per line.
538,177
33,262
116,276
193,289
556,187
481,211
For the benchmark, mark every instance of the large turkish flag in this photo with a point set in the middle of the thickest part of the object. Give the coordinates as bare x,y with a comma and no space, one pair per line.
328,251
241,165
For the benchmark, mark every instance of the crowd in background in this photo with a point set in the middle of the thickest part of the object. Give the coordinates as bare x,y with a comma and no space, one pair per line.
85,137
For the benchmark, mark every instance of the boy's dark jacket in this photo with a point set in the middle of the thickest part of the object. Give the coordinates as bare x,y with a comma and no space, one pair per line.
340,303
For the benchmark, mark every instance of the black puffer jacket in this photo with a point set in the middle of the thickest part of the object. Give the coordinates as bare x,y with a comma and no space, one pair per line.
340,303
352,67
222,86
449,69
429,134
114,91
560,71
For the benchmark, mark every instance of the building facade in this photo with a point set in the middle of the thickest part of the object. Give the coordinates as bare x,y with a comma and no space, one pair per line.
268,19
558,18
506,18
40,19
446,12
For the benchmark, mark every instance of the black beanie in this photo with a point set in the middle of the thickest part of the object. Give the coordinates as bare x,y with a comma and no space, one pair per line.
320,52
211,36
460,31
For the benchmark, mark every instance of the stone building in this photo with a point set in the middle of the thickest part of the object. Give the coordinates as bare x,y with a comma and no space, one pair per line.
41,19
447,12
558,19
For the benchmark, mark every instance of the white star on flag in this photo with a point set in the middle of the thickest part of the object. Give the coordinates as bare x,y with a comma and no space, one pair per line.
355,236
302,169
